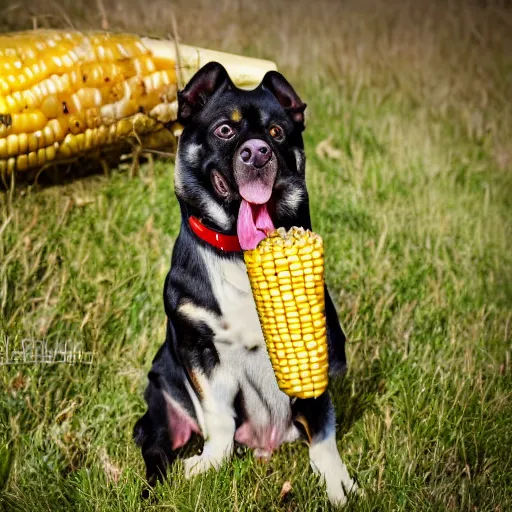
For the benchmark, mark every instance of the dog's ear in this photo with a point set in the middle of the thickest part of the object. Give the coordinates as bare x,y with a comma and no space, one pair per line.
286,95
198,91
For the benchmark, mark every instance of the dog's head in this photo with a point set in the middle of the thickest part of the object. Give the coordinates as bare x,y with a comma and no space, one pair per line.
240,163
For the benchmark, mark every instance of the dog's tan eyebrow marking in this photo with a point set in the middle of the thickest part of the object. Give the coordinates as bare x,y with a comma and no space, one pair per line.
236,115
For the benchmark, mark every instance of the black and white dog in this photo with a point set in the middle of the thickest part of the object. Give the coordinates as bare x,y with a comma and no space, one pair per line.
240,171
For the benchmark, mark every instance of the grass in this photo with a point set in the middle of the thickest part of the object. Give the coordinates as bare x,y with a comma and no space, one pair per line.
410,175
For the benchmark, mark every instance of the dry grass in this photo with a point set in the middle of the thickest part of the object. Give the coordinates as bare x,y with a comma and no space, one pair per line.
410,159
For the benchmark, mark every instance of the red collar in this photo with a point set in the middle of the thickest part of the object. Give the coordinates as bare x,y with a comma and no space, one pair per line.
227,243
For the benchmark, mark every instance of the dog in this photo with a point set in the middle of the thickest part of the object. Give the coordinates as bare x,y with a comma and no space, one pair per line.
240,171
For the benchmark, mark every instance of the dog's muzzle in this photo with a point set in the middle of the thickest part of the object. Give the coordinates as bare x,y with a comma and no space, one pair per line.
255,168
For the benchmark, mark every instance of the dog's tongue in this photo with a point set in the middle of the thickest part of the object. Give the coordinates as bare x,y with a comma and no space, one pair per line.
254,223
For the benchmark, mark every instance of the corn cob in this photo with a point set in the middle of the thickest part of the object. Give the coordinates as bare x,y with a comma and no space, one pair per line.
66,93
286,272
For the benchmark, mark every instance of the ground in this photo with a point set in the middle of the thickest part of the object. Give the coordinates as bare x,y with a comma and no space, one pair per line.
409,151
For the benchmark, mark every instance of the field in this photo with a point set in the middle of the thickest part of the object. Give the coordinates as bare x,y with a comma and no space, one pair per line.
409,145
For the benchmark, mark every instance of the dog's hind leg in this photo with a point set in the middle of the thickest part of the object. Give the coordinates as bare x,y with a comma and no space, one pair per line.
156,449
316,416
169,421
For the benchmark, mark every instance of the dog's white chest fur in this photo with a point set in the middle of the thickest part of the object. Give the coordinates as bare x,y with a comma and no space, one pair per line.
230,284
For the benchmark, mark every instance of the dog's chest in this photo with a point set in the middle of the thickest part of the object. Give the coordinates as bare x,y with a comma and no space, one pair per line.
239,325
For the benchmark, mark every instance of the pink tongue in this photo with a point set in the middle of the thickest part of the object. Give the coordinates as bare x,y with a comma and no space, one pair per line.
253,224
256,191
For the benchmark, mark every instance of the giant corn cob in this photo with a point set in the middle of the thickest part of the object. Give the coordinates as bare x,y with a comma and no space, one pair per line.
286,272
66,93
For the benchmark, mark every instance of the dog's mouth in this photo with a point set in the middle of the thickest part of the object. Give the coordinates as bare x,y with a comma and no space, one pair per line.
254,220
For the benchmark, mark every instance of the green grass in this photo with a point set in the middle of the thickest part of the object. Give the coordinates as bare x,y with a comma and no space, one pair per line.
413,198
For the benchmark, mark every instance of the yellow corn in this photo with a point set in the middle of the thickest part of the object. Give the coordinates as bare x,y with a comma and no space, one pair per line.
286,272
66,93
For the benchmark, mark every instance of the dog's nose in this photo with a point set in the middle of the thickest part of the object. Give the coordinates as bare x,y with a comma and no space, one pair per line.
255,152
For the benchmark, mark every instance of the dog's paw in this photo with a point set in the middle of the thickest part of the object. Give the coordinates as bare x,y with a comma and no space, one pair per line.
338,490
200,464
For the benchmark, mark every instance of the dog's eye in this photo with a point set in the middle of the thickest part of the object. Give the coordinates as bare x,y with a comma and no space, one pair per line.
224,131
276,132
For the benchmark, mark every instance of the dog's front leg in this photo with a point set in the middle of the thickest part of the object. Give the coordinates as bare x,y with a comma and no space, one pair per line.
317,417
326,461
219,426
